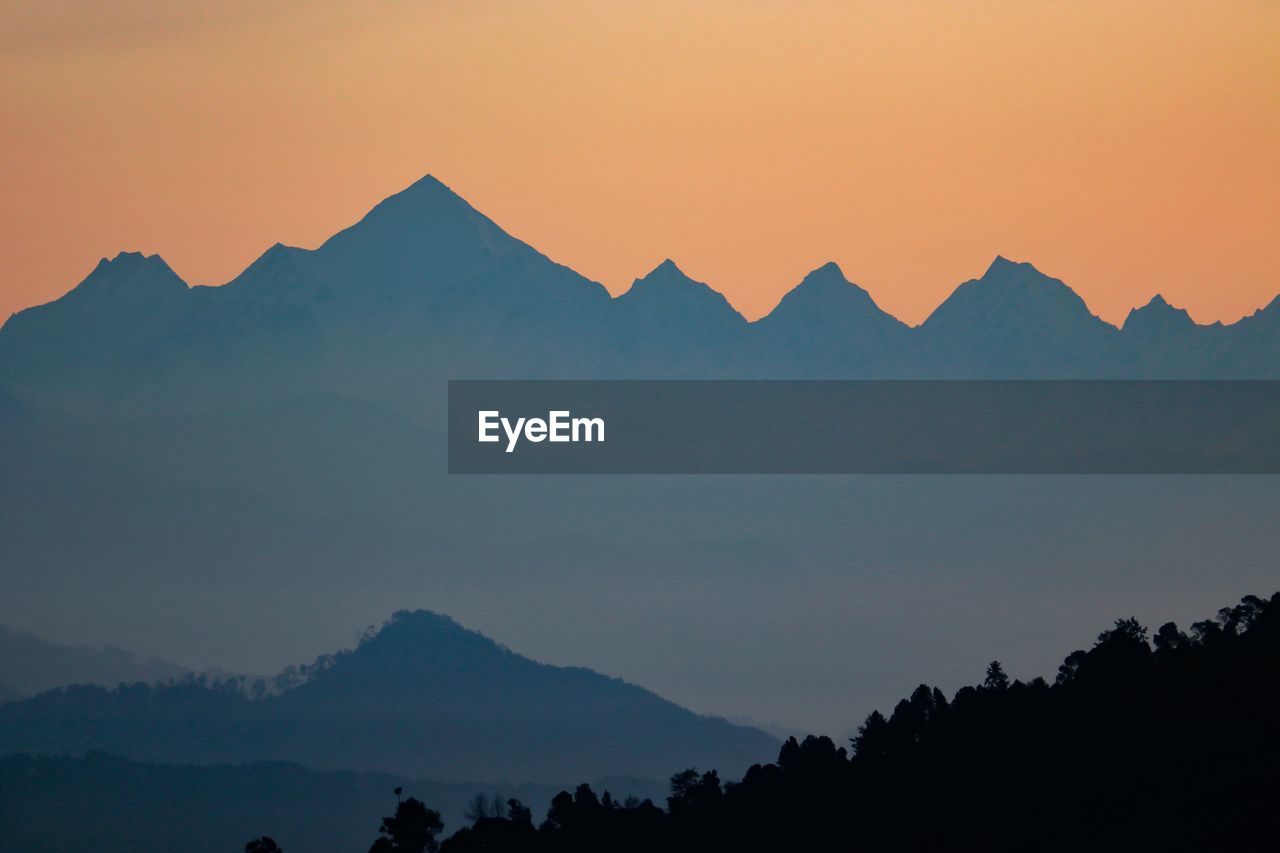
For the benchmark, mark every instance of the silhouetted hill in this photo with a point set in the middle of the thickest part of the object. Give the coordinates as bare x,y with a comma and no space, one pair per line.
30,665
422,697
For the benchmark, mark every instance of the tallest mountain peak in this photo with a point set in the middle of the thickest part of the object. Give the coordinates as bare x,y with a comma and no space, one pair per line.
427,241
1003,268
429,183
429,192
424,220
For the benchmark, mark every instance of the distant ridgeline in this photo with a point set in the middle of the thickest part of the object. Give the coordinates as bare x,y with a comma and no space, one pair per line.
422,697
1144,742
424,288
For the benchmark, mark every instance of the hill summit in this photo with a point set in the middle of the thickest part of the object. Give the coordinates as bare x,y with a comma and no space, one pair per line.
421,696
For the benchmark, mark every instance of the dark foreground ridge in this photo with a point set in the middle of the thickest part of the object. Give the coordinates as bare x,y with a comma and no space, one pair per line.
1164,742
1144,742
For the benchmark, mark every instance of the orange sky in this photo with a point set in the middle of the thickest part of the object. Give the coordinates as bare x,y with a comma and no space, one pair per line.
1127,148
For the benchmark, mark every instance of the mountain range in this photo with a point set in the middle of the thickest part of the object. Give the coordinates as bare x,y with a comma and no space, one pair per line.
231,474
425,287
421,697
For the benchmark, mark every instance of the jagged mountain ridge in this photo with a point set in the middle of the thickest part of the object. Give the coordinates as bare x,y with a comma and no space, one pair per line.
425,287
422,696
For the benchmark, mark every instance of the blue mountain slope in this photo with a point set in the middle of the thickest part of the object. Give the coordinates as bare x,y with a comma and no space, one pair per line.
670,325
122,314
1014,321
826,326
423,695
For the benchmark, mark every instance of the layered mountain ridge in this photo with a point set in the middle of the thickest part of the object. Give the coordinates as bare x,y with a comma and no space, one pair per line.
421,695
238,467
426,287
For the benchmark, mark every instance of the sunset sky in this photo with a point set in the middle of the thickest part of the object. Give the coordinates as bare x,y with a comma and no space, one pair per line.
1128,148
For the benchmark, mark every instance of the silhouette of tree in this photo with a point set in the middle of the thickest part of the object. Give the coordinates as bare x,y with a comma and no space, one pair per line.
518,812
871,742
412,829
1168,638
476,809
996,678
1164,743
502,826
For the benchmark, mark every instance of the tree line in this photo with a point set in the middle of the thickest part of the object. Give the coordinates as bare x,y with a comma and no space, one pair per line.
1167,740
